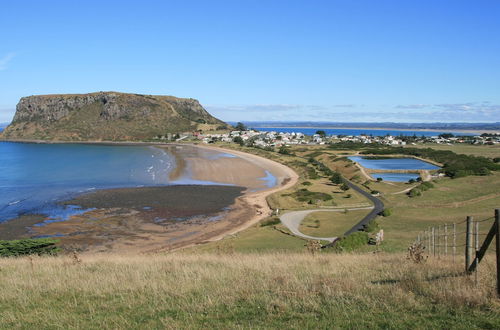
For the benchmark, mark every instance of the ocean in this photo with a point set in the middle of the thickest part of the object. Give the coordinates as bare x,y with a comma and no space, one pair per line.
33,177
357,131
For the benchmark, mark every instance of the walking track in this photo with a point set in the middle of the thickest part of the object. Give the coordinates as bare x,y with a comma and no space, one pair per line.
292,220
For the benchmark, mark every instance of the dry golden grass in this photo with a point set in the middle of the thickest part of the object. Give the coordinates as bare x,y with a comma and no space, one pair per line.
296,290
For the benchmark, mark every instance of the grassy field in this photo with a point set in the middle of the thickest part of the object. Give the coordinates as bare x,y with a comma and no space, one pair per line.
255,239
330,224
490,151
263,277
227,291
451,200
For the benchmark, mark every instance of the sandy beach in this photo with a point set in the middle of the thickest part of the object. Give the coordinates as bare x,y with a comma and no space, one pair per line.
152,219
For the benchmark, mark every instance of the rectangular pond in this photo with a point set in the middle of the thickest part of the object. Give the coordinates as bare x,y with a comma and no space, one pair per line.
395,177
389,163
393,163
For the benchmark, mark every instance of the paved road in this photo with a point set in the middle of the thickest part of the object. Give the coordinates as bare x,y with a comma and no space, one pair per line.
292,221
378,207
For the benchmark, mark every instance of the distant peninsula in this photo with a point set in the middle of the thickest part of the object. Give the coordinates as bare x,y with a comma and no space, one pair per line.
106,116
452,126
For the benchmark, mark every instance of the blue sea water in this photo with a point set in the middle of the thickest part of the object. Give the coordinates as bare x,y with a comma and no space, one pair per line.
393,163
34,176
355,132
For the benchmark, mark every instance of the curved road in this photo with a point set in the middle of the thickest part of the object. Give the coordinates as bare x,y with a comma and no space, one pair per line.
292,220
378,206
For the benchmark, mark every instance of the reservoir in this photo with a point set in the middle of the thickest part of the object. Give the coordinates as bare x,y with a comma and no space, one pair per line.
394,164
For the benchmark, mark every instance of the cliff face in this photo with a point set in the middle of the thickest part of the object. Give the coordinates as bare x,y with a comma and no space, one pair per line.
106,116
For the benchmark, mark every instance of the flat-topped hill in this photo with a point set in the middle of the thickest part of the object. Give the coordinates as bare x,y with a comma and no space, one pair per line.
106,116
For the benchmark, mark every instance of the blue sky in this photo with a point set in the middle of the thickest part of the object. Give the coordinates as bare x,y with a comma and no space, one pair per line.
402,61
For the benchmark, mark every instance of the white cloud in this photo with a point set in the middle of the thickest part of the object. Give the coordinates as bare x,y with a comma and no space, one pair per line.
411,106
4,61
452,112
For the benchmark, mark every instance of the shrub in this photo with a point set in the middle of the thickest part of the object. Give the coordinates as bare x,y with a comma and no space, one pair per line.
270,222
344,187
414,192
375,192
284,150
304,195
21,247
351,242
386,213
336,178
311,173
268,148
306,183
380,179
425,186
371,227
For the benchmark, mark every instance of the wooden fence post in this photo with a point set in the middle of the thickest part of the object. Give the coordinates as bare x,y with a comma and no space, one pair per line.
476,259
433,242
446,240
454,240
497,224
429,240
438,240
468,243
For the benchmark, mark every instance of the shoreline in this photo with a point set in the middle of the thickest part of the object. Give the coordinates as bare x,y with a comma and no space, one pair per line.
245,211
454,130
256,199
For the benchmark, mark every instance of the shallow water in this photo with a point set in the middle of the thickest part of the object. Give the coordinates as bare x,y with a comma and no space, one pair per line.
393,163
395,177
34,176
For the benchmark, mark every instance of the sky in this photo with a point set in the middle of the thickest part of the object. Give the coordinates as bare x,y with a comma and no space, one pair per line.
335,61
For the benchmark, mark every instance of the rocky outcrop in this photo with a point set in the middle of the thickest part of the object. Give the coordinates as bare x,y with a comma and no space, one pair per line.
106,116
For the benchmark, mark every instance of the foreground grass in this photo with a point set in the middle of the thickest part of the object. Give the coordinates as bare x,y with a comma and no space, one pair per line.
295,290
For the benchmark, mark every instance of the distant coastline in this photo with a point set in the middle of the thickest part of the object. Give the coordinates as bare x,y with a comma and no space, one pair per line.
455,130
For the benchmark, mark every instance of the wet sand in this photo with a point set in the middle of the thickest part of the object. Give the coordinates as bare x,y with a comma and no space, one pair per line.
152,219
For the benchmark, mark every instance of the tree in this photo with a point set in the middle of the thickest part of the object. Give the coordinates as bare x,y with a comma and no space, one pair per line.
336,178
321,133
446,135
239,140
284,150
344,187
240,127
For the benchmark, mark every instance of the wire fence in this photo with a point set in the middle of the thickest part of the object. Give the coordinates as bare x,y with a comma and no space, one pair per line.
466,240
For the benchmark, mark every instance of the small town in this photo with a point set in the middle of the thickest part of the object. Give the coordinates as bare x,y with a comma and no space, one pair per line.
265,139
